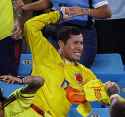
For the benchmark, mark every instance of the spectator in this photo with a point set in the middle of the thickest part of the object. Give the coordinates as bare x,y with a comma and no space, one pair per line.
30,8
9,31
19,104
90,9
57,66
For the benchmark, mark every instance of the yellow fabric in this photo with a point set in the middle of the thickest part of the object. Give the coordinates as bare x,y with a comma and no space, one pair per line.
6,18
95,91
84,109
48,64
21,106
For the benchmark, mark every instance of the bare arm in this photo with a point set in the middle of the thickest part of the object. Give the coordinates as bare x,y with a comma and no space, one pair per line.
33,6
17,31
101,12
33,82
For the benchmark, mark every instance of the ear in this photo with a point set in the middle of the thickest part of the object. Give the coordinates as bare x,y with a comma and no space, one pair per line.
61,44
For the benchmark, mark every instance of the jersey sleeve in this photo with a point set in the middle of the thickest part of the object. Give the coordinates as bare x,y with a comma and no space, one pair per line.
42,51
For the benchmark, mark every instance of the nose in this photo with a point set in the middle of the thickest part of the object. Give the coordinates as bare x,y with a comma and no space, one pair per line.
80,46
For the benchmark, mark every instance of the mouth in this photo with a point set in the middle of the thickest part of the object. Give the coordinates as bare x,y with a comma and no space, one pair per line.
77,53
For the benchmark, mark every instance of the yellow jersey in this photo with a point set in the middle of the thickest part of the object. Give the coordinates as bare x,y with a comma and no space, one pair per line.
48,64
6,18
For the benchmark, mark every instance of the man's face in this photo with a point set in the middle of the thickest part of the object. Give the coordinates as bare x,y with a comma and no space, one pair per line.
73,48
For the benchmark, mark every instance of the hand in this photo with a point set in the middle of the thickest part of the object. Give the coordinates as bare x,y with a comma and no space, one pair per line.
112,87
10,79
73,11
65,12
17,30
19,4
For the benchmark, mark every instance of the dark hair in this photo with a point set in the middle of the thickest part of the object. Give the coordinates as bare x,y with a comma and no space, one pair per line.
65,32
118,109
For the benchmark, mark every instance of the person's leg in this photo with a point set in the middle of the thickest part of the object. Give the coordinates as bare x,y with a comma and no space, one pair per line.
7,57
90,47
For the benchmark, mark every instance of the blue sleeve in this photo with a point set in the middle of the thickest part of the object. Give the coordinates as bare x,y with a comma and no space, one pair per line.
99,3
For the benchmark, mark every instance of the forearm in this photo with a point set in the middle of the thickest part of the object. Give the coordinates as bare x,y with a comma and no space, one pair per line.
101,12
17,12
34,6
33,84
98,13
39,22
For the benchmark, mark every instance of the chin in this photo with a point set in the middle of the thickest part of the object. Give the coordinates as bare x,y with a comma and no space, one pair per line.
76,59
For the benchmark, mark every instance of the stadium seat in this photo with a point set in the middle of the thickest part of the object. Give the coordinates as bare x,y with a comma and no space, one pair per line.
96,112
25,65
7,89
109,67
108,63
25,68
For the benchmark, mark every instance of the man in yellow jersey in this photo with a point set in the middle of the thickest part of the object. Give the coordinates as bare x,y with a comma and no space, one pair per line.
19,104
58,67
8,32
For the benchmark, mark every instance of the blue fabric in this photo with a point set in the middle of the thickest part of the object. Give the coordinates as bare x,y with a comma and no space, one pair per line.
80,3
25,64
90,47
96,112
90,41
7,89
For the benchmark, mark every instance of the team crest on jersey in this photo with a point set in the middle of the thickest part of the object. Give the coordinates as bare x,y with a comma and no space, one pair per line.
97,91
78,77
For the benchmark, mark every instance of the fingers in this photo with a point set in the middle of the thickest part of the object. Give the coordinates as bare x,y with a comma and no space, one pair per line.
19,4
73,11
69,12
5,78
8,79
65,12
112,87
17,30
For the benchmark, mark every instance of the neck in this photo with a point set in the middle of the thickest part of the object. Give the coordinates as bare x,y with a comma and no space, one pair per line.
66,59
